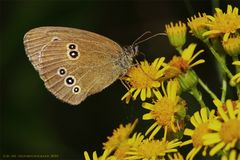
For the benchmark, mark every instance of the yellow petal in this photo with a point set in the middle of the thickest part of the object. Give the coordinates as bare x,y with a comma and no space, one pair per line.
188,132
186,142
143,94
160,62
204,114
188,52
233,155
194,122
200,61
236,63
197,117
155,131
155,62
151,128
95,155
195,152
136,93
217,102
189,155
223,114
230,109
211,32
147,106
216,148
225,37
211,138
149,92
86,155
147,116
215,125
195,55
157,93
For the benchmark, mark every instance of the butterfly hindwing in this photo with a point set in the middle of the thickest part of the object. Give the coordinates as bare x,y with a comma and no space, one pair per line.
73,63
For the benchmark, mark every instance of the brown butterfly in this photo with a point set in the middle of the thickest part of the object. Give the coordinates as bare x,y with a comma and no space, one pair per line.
75,63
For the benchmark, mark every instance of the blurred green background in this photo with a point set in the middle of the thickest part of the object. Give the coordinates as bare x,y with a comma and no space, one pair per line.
32,120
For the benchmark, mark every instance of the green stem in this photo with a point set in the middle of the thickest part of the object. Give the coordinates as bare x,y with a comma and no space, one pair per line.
237,67
224,81
205,87
198,96
220,60
224,89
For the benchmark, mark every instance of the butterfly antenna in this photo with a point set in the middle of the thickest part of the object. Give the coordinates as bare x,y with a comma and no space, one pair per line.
145,33
158,34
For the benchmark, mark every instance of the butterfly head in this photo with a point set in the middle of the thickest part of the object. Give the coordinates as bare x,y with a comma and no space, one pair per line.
131,51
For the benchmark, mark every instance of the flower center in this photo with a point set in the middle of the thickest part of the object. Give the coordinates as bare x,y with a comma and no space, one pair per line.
230,130
150,149
177,66
142,79
201,130
163,111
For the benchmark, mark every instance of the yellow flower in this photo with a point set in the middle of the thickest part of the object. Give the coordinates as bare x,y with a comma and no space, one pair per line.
233,155
200,121
223,24
121,151
153,149
144,79
164,110
176,34
119,136
232,46
181,64
95,157
176,156
226,129
197,25
236,78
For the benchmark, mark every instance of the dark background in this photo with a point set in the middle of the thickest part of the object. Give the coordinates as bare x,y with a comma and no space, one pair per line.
32,120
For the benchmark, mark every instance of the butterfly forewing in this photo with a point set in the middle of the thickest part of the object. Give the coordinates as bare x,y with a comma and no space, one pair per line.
73,63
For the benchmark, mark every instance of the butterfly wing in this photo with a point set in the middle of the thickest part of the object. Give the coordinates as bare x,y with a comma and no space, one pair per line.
73,63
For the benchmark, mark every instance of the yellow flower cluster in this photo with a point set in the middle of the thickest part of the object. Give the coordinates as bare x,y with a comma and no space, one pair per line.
145,79
160,86
215,133
122,146
222,25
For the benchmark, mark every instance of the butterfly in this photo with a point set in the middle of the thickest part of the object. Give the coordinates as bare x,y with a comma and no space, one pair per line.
75,63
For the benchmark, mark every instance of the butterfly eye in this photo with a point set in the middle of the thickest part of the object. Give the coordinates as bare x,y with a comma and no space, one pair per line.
76,90
69,81
72,46
62,71
73,55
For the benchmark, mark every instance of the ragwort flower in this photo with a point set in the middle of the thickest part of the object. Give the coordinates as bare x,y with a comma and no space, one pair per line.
119,136
181,64
176,34
165,110
200,121
153,149
229,120
124,147
95,156
232,46
143,79
223,24
197,25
